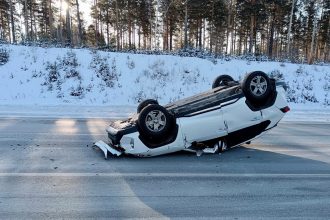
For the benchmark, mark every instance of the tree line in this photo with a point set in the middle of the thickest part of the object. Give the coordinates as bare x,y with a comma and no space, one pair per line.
279,29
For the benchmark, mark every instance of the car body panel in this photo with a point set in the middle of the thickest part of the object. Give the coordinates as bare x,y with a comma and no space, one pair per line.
239,115
212,126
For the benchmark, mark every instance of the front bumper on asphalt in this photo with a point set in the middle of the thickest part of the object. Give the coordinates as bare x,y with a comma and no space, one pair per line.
108,148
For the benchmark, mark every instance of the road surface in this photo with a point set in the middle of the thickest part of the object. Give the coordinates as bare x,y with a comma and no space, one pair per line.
50,170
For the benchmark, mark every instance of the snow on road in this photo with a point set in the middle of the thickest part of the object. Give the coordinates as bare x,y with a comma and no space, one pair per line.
297,113
65,111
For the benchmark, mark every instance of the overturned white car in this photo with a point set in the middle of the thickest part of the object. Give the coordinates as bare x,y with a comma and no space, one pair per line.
230,114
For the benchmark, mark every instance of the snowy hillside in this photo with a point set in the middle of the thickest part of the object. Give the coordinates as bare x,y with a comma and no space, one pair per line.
39,76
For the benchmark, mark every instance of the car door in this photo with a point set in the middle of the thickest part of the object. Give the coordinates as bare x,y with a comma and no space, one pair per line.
202,126
237,115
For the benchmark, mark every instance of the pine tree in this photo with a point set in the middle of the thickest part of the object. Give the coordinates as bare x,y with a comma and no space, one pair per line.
170,19
80,32
4,27
310,9
12,6
218,23
145,18
324,32
278,19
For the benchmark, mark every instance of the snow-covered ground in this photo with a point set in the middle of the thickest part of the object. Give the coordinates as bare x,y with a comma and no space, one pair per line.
59,82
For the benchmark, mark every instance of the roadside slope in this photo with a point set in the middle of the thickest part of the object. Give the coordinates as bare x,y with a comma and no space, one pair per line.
81,77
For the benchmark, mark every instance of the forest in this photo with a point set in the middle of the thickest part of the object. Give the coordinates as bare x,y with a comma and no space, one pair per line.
294,30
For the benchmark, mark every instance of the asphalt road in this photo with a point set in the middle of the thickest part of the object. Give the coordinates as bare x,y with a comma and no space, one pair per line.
49,169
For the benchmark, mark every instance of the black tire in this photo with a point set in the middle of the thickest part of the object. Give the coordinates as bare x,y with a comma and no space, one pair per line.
222,80
155,121
257,87
146,103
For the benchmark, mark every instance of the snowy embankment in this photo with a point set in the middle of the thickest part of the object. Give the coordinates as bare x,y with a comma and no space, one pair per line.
85,83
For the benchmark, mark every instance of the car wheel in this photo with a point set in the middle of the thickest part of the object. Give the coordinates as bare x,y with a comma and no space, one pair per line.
146,103
222,80
155,121
256,87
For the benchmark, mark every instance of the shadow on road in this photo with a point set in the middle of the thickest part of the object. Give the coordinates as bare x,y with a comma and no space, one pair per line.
255,181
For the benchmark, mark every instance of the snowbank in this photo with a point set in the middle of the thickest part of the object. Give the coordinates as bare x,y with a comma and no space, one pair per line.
35,76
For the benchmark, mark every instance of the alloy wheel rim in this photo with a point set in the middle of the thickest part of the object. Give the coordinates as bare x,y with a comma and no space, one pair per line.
258,85
155,121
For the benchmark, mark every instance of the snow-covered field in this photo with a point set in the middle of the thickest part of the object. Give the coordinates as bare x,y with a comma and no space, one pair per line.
83,83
